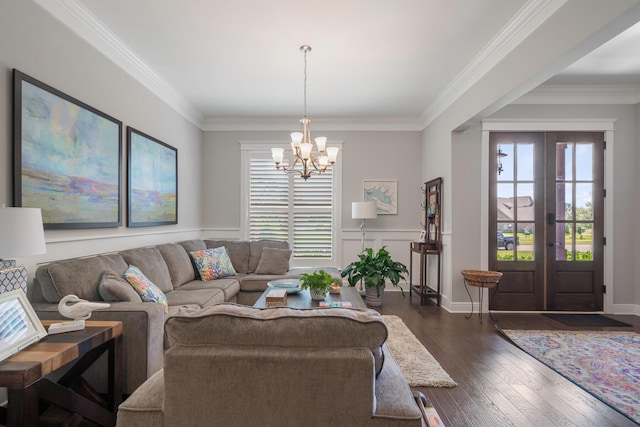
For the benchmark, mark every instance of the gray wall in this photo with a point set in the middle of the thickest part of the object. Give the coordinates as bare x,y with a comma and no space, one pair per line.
37,44
364,155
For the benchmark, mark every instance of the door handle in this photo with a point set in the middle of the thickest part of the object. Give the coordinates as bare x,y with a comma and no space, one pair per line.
551,218
554,245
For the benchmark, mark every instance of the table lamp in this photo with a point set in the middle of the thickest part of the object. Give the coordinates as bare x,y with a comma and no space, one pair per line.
21,234
364,211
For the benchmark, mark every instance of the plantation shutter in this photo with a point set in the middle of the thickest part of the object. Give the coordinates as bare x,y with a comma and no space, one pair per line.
285,207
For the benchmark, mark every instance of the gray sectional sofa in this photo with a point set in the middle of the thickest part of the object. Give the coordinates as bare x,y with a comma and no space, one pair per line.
170,267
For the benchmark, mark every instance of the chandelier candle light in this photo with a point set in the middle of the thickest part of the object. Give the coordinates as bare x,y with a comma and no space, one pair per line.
309,163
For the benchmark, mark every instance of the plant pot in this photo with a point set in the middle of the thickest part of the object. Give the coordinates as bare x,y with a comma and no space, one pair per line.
372,296
317,296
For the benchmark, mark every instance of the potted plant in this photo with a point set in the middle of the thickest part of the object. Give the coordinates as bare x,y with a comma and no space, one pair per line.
319,283
374,270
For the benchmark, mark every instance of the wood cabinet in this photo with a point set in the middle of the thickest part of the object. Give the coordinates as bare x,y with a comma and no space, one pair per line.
429,248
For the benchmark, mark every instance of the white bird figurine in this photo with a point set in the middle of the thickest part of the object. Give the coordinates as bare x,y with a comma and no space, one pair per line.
78,309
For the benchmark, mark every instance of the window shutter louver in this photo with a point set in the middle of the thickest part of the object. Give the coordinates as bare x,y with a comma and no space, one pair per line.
285,207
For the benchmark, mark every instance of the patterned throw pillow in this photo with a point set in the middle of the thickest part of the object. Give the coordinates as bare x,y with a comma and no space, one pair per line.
213,263
144,287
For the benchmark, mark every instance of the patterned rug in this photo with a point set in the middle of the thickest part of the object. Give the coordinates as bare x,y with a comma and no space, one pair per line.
606,364
420,368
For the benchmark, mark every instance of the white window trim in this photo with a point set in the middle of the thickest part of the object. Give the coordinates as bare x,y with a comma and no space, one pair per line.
248,146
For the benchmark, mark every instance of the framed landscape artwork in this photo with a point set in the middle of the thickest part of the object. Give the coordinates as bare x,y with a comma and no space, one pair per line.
384,193
152,181
67,157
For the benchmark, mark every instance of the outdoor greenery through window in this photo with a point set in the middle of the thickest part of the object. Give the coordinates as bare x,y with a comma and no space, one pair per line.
285,207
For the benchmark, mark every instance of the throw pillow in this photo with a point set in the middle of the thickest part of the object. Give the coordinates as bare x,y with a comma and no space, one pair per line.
145,288
213,263
274,261
113,288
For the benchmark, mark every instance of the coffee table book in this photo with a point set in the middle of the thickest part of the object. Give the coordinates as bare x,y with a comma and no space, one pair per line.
276,298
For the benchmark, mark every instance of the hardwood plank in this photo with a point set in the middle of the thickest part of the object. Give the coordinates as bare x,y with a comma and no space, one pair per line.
499,384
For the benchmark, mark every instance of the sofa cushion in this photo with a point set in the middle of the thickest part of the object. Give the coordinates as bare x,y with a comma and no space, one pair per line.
145,406
178,262
78,276
151,263
232,324
238,252
255,250
213,263
202,297
147,290
114,288
229,286
193,245
274,261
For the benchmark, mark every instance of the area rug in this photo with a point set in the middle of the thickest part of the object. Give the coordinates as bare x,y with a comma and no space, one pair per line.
420,368
604,363
585,320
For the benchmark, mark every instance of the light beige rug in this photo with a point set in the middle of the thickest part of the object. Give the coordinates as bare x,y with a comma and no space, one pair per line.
420,368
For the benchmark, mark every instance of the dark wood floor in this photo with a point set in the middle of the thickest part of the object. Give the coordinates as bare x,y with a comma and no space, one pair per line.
498,384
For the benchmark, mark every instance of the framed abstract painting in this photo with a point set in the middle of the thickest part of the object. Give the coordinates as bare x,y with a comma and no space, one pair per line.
67,157
152,181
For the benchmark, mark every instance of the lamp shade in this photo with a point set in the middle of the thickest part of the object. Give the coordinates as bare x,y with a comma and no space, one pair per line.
364,210
21,232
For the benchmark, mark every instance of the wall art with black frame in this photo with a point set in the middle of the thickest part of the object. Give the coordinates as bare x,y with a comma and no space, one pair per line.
67,157
152,181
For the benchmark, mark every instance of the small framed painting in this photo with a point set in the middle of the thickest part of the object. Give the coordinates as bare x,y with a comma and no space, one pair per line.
152,181
384,193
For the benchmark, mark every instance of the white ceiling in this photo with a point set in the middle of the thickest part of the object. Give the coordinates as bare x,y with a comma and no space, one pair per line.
370,58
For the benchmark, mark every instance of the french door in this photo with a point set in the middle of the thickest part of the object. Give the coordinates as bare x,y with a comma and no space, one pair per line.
546,210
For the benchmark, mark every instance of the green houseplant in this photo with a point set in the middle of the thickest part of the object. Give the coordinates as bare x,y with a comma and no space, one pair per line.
319,283
374,269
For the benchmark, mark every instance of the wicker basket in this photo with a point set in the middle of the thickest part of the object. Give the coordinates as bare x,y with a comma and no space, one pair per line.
481,278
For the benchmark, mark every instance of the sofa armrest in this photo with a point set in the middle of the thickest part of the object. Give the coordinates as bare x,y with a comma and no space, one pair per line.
143,336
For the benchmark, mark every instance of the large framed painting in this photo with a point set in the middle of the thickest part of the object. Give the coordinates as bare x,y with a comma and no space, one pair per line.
67,157
384,193
152,181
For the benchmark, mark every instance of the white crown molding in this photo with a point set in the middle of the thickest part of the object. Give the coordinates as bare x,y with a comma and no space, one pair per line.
581,94
533,14
75,16
541,125
327,124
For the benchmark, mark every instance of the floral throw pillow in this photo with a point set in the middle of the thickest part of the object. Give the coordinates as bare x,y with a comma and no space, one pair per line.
213,263
144,287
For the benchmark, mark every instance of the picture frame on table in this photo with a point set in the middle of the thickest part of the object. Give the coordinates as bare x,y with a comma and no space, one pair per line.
67,157
19,324
152,181
423,236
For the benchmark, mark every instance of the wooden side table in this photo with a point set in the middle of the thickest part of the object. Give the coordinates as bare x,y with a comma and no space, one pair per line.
24,376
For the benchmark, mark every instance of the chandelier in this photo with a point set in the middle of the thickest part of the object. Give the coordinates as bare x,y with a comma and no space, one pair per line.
305,161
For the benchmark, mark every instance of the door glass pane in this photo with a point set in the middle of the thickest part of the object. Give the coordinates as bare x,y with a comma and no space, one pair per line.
525,243
584,242
525,204
562,242
564,161
525,162
584,162
506,242
505,202
584,202
564,201
505,162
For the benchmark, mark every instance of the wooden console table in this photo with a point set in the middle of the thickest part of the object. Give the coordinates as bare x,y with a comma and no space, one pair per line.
425,250
32,397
